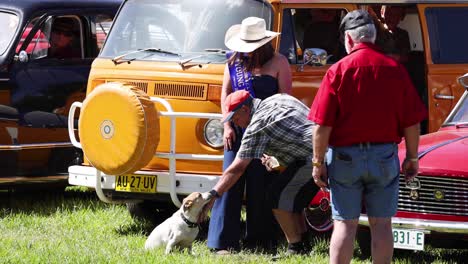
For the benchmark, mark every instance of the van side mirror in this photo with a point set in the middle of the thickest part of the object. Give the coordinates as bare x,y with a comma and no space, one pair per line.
315,57
463,80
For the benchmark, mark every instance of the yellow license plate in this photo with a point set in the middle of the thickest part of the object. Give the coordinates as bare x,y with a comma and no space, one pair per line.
136,183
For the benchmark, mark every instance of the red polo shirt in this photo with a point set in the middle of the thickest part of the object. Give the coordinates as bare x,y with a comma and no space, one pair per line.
366,97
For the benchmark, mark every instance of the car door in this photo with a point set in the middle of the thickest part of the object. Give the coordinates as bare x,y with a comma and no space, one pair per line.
446,53
46,80
42,82
311,25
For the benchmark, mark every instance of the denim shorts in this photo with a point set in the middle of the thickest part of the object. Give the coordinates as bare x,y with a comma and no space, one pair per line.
363,174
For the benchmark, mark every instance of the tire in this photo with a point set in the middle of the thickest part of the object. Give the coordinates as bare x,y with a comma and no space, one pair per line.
149,213
118,128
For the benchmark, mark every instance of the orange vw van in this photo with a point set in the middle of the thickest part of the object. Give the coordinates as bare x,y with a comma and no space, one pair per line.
150,128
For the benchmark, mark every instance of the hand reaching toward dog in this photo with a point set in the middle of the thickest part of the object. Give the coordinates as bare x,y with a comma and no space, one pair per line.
207,208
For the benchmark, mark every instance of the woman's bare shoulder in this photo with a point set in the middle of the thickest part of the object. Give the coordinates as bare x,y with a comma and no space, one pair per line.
280,59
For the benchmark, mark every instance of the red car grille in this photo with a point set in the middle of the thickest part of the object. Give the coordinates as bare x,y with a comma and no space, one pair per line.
437,195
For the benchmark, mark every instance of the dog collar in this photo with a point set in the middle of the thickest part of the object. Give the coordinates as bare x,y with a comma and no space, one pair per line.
190,224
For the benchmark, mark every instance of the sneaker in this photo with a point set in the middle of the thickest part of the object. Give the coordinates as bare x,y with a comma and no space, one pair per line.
297,248
261,247
222,252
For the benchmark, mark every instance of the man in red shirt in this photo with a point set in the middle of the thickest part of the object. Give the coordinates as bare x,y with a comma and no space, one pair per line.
365,105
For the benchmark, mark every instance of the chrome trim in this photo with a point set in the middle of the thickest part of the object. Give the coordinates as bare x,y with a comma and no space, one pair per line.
4,79
426,225
36,146
444,96
454,202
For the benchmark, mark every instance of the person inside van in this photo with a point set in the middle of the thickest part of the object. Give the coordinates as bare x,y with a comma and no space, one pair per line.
393,40
323,32
63,39
253,66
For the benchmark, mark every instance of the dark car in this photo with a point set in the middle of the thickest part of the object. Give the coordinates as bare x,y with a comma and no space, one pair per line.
46,51
433,209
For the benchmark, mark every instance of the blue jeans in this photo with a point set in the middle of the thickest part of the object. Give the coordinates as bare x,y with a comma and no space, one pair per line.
363,173
225,225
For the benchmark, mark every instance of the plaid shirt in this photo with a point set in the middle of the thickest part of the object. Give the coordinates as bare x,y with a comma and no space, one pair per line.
279,127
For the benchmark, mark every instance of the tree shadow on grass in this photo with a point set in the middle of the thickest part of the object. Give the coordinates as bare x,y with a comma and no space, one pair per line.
135,228
429,255
47,202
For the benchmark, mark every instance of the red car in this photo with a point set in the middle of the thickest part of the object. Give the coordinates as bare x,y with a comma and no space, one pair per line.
434,208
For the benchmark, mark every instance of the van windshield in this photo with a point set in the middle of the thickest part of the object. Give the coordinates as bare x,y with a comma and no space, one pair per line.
193,30
8,24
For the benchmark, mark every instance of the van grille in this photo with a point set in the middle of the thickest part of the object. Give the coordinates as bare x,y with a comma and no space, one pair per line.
180,90
454,201
167,89
140,85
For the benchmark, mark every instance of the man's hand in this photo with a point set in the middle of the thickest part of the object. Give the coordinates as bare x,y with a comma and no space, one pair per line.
319,173
270,162
410,169
204,213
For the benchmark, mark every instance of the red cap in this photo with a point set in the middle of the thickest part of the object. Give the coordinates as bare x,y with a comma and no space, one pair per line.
234,102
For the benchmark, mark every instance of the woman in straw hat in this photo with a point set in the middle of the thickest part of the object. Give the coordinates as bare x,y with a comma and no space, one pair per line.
254,66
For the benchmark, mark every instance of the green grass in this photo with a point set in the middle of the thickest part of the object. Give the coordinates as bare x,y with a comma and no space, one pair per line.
75,227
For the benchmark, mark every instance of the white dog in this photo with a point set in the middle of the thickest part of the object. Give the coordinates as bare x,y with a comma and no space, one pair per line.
181,229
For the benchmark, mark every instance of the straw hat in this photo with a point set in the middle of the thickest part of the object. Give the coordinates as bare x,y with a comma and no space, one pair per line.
249,35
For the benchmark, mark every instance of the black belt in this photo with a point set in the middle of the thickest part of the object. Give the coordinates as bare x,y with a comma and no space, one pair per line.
369,144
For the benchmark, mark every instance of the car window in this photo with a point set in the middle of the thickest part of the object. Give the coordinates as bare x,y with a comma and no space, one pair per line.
446,26
59,37
100,27
39,39
305,28
8,24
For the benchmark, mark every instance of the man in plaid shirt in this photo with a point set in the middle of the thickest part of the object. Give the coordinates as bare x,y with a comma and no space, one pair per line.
276,127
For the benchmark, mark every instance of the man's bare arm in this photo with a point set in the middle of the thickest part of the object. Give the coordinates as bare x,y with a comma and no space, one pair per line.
410,165
320,141
412,141
231,175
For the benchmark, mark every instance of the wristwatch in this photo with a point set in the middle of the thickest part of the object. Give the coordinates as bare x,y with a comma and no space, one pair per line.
214,193
317,163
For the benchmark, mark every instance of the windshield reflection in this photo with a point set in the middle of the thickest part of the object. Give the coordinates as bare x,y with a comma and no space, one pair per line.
8,24
460,112
185,27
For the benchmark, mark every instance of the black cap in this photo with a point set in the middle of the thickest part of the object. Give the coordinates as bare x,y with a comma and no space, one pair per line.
355,19
63,24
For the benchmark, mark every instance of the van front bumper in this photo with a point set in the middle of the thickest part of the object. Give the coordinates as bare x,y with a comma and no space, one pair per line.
185,183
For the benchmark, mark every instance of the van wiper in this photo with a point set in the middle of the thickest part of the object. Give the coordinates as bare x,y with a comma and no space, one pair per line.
217,50
119,59
183,62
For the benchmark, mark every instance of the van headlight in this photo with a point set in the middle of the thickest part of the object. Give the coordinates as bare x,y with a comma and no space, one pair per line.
213,133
